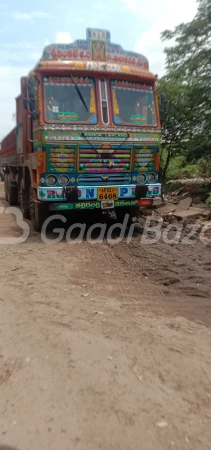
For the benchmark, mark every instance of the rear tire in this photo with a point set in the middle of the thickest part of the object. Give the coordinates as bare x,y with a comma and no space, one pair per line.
12,192
6,187
133,211
38,212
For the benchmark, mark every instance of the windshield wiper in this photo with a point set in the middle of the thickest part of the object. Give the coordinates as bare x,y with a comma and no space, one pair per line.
124,141
83,135
79,93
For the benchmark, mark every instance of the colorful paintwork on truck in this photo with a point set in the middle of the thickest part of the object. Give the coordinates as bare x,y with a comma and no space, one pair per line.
90,135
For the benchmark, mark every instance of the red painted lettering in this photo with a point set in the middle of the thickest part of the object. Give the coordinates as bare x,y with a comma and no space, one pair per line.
53,54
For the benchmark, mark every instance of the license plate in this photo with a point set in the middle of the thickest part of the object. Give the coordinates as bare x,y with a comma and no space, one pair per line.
107,204
108,193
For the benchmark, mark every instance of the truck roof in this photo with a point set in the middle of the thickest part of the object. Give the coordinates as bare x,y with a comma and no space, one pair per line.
95,53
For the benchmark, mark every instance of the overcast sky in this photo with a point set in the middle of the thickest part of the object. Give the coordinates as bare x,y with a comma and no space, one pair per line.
25,30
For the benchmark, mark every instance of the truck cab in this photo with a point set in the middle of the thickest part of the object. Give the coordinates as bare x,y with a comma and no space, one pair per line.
88,131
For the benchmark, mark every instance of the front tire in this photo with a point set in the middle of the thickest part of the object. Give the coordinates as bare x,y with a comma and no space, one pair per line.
38,212
24,201
133,211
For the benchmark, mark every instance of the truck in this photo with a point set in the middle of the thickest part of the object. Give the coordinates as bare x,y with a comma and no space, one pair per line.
87,134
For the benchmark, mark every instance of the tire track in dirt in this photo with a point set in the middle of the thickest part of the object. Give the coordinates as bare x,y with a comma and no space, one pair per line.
179,273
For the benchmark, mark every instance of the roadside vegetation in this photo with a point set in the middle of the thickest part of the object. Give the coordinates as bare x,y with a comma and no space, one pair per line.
186,136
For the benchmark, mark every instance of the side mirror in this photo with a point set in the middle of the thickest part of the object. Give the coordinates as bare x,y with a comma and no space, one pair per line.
164,108
31,99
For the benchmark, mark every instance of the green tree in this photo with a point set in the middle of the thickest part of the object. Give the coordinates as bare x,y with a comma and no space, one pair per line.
187,84
176,130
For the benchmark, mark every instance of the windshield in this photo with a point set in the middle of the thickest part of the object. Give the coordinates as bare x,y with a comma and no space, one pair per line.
63,103
133,104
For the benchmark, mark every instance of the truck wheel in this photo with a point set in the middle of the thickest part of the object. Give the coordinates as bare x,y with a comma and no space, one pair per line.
6,187
133,211
38,212
12,192
24,201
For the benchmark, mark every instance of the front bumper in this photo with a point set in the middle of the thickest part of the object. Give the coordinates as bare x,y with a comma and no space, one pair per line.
90,193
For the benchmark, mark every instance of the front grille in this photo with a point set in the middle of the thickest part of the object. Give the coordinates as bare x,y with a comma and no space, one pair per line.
61,160
104,159
99,179
144,158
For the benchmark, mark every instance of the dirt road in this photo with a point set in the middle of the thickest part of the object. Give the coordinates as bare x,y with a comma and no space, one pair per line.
104,347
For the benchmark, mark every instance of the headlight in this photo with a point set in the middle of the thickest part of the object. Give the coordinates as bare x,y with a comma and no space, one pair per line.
63,180
51,180
141,178
151,177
